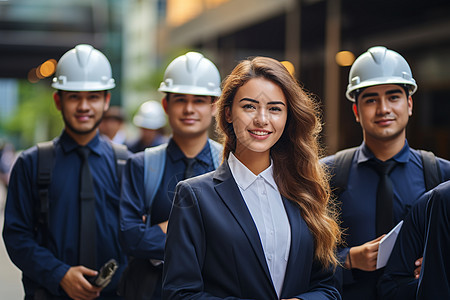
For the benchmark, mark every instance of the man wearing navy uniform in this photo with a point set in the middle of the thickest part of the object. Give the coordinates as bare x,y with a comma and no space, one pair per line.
52,256
191,85
385,176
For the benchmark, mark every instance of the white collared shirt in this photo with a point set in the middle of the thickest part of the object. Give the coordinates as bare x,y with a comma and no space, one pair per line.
264,202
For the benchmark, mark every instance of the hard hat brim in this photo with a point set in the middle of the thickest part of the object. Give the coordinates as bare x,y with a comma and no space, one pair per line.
180,89
83,87
379,81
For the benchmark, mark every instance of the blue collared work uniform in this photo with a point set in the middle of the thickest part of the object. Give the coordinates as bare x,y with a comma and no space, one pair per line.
46,266
142,240
358,206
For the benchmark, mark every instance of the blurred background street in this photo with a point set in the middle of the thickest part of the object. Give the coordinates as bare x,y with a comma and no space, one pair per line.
10,276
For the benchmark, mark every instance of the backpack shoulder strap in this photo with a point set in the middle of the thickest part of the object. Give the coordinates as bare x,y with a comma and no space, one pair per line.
431,170
154,163
341,169
44,178
216,152
121,155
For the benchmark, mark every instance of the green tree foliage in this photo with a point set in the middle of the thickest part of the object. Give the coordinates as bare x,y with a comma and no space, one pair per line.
36,118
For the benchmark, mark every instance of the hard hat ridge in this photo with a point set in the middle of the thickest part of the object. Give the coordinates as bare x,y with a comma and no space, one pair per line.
378,54
83,52
193,61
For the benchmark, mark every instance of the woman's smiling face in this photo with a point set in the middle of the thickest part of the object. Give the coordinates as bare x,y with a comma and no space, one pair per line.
258,114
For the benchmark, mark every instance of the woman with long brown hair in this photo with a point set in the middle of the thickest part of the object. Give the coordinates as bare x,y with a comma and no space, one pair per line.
260,227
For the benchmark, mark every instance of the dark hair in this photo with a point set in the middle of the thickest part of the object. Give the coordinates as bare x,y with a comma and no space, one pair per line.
302,180
59,92
407,88
213,98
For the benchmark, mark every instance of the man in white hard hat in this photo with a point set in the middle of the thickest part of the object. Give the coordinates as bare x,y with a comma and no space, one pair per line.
191,85
150,119
62,211
378,182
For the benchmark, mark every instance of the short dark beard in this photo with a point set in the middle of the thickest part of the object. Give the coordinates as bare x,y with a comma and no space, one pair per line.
60,93
82,132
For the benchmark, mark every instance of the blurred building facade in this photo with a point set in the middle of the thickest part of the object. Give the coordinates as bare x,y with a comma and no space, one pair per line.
142,36
33,36
140,51
33,32
309,33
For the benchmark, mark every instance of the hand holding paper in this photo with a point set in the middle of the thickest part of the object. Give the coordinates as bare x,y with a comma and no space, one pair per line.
386,245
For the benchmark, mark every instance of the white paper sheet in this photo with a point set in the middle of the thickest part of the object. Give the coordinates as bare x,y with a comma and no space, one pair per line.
386,245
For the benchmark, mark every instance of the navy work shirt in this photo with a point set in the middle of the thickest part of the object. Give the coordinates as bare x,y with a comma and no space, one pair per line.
358,207
147,241
45,267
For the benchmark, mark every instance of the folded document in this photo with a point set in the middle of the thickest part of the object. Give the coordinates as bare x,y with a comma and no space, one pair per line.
386,245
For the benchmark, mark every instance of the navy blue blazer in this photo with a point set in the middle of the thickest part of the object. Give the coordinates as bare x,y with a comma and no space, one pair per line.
434,281
213,249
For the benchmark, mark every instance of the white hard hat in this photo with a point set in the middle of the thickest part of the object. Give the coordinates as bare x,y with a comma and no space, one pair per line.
83,69
192,74
150,115
379,65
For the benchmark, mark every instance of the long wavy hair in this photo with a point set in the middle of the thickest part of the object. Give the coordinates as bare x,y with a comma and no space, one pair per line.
299,175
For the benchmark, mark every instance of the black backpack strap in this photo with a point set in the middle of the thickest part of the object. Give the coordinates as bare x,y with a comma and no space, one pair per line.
341,169
121,155
44,178
431,170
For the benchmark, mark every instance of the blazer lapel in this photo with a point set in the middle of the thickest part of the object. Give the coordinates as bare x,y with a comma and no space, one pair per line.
231,196
296,255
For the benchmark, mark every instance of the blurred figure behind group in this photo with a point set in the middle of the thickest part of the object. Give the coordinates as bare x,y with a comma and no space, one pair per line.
7,158
112,125
150,119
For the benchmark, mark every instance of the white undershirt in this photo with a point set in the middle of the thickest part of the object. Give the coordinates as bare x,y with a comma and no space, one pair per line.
264,202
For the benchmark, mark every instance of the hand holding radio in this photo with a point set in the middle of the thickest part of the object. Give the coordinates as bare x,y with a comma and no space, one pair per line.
105,274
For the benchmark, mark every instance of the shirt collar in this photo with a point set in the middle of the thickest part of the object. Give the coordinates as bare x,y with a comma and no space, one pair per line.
176,154
244,177
365,154
68,144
